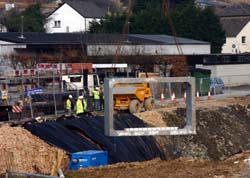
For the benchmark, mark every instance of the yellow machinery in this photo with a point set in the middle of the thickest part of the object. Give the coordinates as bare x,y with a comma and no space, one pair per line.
133,97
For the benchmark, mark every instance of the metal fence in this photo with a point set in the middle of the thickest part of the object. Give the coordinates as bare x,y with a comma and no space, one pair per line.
46,95
14,174
38,96
222,86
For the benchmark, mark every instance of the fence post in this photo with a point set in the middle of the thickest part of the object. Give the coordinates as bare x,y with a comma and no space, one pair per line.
7,174
7,89
31,109
22,89
201,86
38,79
249,81
229,81
169,89
54,93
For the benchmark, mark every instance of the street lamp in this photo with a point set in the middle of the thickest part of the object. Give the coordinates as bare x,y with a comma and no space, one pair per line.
21,27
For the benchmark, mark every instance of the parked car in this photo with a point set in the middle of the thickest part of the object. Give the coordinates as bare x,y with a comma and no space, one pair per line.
216,85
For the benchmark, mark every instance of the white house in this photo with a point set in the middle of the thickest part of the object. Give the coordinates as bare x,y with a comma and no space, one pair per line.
75,16
236,23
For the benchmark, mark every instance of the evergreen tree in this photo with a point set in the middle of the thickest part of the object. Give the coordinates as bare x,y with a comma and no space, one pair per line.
195,23
32,20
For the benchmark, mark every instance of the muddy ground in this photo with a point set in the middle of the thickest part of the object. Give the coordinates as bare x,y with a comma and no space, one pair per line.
220,148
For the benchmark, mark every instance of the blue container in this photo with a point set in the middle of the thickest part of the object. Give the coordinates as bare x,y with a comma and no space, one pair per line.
88,158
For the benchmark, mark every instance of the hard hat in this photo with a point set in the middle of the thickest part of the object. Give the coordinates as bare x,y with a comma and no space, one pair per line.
70,96
97,88
80,97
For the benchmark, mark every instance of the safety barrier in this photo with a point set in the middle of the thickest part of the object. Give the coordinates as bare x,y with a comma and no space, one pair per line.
17,108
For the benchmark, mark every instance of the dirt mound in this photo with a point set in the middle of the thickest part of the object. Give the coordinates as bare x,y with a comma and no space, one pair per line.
221,133
22,151
237,167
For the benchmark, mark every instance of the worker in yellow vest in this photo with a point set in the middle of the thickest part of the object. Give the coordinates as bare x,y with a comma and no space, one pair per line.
81,106
96,95
69,105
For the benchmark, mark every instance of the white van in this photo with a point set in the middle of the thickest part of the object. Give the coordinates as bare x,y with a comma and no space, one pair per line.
76,81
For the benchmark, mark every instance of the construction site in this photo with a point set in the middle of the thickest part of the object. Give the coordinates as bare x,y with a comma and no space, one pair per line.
172,130
218,149
157,116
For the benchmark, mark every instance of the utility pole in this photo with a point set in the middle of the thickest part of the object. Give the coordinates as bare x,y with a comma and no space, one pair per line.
21,28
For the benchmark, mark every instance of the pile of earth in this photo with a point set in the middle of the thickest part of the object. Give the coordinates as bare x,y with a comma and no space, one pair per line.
221,133
237,166
22,151
222,129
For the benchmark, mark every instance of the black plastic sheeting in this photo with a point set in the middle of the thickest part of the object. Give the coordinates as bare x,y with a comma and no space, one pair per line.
87,133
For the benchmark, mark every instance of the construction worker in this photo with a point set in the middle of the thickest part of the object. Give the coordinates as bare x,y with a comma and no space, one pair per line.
69,105
81,106
96,95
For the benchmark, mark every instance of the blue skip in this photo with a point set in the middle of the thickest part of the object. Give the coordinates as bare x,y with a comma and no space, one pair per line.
88,158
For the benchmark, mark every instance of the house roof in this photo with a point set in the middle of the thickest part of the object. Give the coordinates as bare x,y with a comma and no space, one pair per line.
233,26
89,8
79,38
166,39
240,9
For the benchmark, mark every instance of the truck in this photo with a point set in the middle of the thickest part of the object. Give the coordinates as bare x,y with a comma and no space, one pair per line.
133,97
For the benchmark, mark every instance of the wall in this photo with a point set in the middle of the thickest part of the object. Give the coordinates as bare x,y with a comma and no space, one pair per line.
6,49
71,21
227,47
104,50
232,75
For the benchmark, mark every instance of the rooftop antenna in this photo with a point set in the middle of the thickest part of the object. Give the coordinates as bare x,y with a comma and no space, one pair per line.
21,28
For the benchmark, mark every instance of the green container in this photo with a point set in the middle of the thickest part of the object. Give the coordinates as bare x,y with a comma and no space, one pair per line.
202,80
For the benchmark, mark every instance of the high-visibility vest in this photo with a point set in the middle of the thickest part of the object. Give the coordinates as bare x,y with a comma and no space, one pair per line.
81,106
96,94
68,104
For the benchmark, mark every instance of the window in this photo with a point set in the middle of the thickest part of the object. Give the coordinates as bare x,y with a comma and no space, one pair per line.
243,39
57,23
75,79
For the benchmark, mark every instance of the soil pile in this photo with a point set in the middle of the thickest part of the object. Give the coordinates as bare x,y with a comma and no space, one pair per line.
221,133
235,167
22,151
222,129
